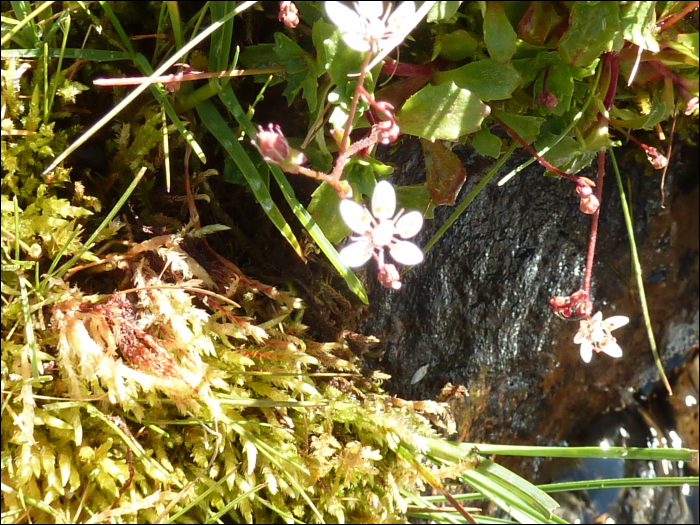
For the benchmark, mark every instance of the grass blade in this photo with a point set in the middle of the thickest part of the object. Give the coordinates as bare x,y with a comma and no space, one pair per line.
88,244
231,102
637,267
472,194
140,89
217,126
447,449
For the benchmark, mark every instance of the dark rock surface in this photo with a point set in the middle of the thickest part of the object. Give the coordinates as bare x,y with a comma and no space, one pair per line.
477,309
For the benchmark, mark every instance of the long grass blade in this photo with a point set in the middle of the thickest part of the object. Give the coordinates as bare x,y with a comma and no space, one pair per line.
462,450
88,244
472,195
140,89
229,99
217,126
637,267
93,55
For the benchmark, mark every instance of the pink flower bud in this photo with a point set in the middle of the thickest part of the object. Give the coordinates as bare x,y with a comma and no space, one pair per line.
547,99
584,191
276,150
589,205
389,276
576,305
289,14
657,160
388,131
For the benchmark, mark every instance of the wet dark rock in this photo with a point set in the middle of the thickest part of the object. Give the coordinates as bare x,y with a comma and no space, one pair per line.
477,309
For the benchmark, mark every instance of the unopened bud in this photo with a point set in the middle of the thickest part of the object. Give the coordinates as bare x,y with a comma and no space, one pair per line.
388,131
276,150
589,202
547,99
657,160
589,205
289,14
389,276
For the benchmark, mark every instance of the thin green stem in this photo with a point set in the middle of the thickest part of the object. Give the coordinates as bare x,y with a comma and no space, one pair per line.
472,194
637,267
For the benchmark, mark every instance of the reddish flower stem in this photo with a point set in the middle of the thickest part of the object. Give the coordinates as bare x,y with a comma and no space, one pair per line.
353,105
532,152
668,22
594,229
610,62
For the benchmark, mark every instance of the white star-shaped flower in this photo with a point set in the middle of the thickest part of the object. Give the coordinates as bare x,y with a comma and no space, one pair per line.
594,334
379,230
369,26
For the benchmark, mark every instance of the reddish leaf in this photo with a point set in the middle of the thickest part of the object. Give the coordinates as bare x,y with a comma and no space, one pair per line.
400,91
444,172
536,24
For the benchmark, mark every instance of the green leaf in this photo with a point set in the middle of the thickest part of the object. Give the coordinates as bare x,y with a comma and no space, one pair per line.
525,67
536,23
443,112
415,197
325,210
648,121
444,173
591,32
486,78
361,176
297,64
442,11
486,143
457,45
499,35
333,54
218,127
526,126
637,22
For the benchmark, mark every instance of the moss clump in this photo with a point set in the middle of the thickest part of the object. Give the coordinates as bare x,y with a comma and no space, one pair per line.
171,401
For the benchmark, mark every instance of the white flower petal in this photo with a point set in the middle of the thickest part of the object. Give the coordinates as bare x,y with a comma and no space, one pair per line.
616,322
370,10
401,18
347,20
355,216
410,224
611,348
579,338
356,41
357,253
586,351
598,334
406,253
383,200
597,318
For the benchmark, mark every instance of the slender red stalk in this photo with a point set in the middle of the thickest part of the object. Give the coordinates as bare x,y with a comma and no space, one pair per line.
353,104
184,77
531,150
668,22
611,63
594,228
